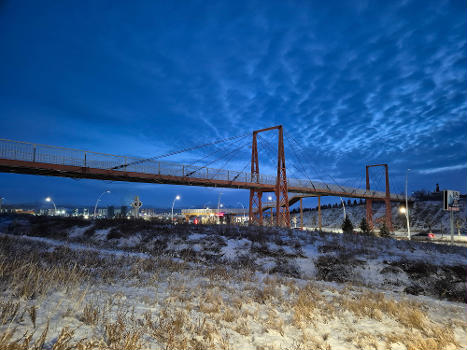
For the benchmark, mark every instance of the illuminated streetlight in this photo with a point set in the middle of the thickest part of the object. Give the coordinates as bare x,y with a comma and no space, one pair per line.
49,199
177,197
98,200
402,210
244,211
270,198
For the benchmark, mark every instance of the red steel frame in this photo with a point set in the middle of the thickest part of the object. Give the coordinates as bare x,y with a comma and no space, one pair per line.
387,199
281,191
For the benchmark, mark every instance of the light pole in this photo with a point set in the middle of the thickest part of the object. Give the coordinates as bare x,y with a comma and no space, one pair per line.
177,197
343,206
407,204
97,202
244,211
49,199
1,202
219,201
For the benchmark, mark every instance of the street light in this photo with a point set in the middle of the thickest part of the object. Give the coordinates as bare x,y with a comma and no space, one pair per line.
177,197
407,204
49,199
97,202
219,201
244,211
270,198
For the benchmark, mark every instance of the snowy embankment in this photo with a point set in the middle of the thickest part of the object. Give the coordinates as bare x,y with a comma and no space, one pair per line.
139,285
423,216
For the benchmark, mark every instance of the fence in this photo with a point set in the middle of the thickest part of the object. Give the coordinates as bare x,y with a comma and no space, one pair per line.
33,152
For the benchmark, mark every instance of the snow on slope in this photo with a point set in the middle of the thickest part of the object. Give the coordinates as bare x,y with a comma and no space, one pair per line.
422,215
237,288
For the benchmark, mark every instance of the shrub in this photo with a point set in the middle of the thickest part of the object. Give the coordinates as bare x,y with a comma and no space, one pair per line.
347,226
384,231
366,229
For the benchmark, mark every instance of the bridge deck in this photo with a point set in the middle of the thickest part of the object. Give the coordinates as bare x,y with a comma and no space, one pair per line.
29,158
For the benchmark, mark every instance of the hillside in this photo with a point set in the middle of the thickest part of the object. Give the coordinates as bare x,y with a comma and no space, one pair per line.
422,215
133,284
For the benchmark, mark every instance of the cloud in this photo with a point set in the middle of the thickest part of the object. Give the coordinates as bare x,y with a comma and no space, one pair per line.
443,169
354,82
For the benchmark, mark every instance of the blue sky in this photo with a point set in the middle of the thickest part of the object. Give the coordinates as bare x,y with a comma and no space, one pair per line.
354,82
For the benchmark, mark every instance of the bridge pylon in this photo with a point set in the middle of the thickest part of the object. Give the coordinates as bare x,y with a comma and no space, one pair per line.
281,191
387,199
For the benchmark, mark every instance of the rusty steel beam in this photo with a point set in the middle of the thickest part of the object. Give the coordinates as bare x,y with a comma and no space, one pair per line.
280,188
49,169
386,198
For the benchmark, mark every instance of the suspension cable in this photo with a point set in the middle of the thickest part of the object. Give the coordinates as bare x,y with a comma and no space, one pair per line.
215,160
178,152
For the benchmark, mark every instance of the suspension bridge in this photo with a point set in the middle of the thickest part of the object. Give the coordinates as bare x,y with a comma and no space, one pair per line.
37,159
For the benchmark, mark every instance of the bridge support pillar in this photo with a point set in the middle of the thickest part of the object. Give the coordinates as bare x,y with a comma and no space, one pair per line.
280,188
319,213
387,199
301,213
256,205
369,202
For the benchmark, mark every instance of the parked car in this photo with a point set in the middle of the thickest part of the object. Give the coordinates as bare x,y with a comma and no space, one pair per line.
424,235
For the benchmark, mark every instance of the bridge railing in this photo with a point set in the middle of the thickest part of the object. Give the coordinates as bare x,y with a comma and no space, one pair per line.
235,211
33,152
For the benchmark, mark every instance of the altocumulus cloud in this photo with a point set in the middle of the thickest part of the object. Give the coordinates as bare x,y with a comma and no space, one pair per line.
355,82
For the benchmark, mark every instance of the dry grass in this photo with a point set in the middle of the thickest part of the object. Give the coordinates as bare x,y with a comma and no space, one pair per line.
8,311
206,308
90,315
306,305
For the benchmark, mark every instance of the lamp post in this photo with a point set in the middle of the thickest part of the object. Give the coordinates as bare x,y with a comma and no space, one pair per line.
49,199
407,204
1,202
219,201
97,202
343,206
177,197
244,211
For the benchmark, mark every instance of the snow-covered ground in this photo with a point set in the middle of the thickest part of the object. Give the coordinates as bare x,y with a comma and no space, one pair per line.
423,215
200,287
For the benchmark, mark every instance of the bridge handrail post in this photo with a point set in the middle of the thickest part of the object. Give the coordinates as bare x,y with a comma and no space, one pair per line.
34,153
85,159
183,170
227,175
158,168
